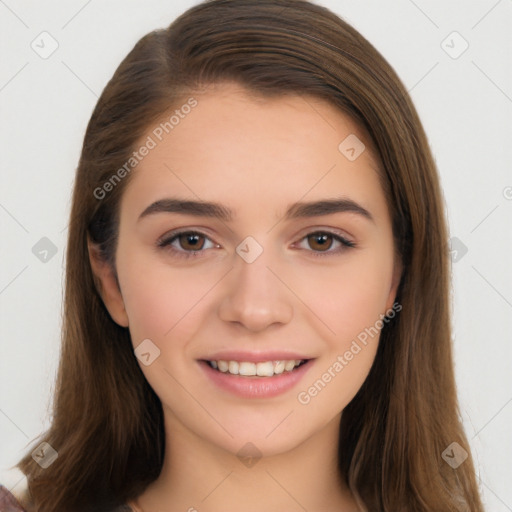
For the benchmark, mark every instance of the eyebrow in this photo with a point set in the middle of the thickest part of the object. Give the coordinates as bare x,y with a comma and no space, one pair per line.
218,211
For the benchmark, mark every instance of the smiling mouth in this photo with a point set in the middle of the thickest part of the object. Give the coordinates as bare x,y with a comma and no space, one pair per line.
261,369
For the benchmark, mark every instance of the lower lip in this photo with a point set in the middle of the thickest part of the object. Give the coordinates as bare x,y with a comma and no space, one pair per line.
256,387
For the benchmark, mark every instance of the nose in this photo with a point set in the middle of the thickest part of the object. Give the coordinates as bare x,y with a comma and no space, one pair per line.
255,298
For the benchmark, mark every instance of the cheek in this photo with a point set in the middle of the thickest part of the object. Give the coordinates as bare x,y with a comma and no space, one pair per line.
350,298
160,301
351,305
345,299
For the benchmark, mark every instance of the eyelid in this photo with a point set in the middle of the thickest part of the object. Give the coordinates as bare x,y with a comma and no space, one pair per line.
310,230
165,241
345,242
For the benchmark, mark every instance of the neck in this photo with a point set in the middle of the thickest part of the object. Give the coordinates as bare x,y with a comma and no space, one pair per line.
199,476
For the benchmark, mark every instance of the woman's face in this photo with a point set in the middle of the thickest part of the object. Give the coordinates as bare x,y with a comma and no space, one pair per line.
251,240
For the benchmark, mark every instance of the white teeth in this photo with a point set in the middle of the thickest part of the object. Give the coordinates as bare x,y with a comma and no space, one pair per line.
263,369
289,365
247,369
233,367
279,367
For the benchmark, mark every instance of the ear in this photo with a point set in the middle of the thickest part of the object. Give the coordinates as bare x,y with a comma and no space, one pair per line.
107,286
395,281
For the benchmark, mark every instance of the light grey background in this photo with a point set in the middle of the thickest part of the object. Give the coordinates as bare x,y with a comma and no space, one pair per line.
465,104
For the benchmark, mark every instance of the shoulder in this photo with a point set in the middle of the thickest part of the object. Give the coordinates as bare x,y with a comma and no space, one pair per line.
14,495
8,503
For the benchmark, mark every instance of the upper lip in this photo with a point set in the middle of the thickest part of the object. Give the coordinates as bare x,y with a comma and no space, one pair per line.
255,357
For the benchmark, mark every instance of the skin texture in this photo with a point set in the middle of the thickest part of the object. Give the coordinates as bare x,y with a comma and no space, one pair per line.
256,157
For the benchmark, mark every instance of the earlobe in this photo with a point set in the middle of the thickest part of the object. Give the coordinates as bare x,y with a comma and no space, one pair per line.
107,285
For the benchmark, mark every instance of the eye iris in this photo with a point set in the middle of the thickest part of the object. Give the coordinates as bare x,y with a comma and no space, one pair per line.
191,241
320,241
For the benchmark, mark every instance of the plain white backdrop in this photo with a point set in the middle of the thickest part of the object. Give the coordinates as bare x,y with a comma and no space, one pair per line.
464,98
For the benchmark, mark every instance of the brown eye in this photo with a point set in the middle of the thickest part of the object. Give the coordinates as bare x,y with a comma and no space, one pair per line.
191,241
186,243
320,241
325,243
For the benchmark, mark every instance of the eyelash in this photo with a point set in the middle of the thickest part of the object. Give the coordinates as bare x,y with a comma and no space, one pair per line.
166,241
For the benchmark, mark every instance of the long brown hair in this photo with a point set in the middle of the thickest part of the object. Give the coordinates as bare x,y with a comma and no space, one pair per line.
107,424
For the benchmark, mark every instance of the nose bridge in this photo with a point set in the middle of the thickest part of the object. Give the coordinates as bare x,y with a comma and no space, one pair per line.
255,298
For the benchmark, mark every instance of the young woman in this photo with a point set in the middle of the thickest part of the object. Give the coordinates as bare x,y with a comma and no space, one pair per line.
257,283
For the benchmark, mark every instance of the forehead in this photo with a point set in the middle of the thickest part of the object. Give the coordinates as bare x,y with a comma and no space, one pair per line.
234,147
